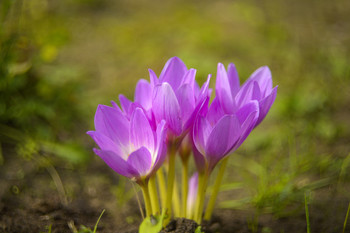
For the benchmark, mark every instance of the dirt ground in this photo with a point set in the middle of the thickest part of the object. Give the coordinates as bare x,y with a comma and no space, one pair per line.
30,202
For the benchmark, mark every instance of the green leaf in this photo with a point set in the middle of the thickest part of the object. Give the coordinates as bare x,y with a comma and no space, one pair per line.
153,224
198,230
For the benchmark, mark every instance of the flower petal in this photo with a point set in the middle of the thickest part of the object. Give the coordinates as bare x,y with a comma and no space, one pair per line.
215,112
250,91
161,148
112,123
115,162
221,139
223,90
141,133
125,103
173,72
265,104
153,78
143,94
141,161
106,144
233,79
264,79
185,97
201,132
189,78
166,106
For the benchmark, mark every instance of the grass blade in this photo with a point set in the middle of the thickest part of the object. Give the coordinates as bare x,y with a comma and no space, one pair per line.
346,218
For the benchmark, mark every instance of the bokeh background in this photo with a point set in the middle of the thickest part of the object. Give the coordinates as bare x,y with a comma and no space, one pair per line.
60,59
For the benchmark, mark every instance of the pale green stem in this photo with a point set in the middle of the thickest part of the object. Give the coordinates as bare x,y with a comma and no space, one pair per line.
162,186
176,200
184,187
202,188
154,195
217,184
146,197
171,177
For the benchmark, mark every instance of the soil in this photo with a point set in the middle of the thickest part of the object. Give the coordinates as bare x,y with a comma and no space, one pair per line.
30,202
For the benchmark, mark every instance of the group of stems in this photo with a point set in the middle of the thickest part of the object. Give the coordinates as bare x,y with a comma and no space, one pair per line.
169,190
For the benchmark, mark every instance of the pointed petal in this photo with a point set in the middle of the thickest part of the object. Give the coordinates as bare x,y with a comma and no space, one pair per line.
173,72
233,78
215,112
115,162
125,103
185,97
223,90
189,78
264,79
153,78
115,105
247,116
201,132
143,94
112,123
141,161
221,139
250,91
266,103
161,147
141,133
106,144
166,106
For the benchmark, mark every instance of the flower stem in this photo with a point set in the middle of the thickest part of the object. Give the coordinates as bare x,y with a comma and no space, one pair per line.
202,188
217,184
154,195
176,200
162,186
146,197
184,187
171,177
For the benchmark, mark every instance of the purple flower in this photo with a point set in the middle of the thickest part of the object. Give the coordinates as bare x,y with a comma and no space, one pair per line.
175,97
131,147
258,87
192,194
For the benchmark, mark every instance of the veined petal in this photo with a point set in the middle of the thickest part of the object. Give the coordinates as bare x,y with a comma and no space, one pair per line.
233,80
247,116
125,103
201,132
185,97
223,90
112,123
173,72
264,79
141,161
106,144
215,112
166,106
115,162
141,133
160,153
250,91
143,94
153,78
265,104
221,139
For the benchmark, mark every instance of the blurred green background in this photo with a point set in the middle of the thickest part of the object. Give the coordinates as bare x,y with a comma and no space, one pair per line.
60,59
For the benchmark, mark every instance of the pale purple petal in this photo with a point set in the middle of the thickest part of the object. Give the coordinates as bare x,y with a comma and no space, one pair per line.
161,147
233,79
185,97
112,123
266,103
201,132
221,139
106,144
115,162
215,111
247,116
166,106
189,78
143,94
250,91
153,78
223,90
173,72
141,133
125,103
264,79
141,161
192,194
115,105
199,160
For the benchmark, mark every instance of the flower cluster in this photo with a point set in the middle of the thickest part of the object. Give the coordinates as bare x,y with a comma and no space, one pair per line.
172,115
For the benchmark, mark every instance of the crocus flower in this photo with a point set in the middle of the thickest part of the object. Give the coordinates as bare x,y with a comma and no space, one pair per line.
129,146
258,87
192,194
